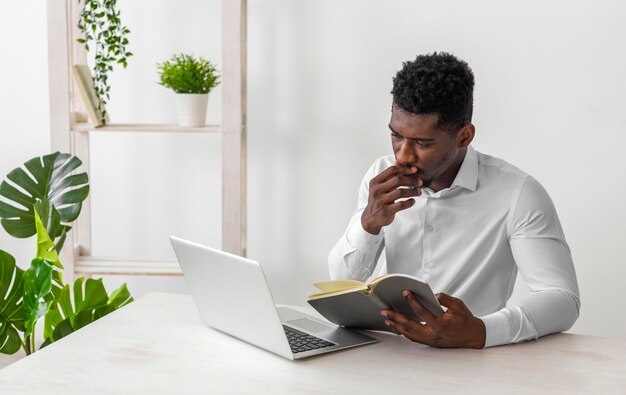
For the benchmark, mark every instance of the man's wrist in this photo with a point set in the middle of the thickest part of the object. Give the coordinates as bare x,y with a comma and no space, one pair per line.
480,335
369,229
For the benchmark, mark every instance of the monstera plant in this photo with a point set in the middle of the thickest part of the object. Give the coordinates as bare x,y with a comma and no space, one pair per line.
43,198
47,182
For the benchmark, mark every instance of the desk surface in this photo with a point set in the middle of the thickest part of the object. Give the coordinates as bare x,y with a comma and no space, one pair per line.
159,345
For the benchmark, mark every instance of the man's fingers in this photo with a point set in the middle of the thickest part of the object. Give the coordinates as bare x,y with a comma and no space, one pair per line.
449,301
456,329
403,325
418,308
390,191
400,182
397,317
393,171
402,205
408,169
401,193
390,172
413,331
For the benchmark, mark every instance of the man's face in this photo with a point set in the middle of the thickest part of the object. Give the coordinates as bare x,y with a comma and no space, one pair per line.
437,154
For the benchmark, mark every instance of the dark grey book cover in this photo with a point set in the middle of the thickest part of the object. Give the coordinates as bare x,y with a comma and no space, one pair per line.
358,310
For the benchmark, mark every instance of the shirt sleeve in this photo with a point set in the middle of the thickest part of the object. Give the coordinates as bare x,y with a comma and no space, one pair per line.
356,253
545,263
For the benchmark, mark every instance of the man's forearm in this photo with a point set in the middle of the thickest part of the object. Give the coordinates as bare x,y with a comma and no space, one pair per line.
355,255
545,312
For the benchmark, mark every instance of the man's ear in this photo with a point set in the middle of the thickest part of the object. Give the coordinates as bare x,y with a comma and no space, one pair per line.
465,136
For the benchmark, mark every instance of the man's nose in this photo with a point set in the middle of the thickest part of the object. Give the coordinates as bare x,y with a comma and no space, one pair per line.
407,154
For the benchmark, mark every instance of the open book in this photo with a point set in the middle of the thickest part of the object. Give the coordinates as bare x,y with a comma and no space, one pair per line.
354,304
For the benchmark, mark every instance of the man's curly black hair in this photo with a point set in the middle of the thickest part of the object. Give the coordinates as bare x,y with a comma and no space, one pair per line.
436,83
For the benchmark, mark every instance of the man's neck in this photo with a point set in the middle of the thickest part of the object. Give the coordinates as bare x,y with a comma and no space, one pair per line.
448,177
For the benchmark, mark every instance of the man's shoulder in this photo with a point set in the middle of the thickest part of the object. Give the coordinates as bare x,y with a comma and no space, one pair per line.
504,176
493,167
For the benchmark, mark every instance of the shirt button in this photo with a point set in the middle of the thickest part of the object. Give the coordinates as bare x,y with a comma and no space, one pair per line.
429,228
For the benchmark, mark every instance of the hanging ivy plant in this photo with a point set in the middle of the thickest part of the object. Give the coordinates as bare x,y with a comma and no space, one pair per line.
101,26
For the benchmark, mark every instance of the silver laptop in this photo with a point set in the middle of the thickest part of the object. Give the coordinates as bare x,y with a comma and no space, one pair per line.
232,296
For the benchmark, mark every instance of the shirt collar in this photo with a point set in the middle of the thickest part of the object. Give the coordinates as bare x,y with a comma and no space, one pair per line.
467,177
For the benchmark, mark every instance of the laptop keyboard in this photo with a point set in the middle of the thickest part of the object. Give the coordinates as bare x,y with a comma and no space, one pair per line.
300,341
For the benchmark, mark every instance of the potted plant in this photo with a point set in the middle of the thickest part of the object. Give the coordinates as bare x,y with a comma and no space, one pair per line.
103,32
42,198
192,79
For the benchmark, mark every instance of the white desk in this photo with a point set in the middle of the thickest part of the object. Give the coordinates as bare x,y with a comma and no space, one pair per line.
158,345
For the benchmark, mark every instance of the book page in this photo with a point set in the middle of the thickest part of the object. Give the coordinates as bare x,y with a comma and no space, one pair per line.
337,287
378,279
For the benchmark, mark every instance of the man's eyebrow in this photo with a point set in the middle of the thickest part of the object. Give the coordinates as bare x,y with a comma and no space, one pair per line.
408,138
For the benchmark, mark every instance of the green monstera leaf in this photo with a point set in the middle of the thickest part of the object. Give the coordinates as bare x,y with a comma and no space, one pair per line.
90,303
47,252
37,287
11,307
48,183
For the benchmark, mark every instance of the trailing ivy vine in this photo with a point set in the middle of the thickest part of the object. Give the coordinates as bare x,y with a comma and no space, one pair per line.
101,26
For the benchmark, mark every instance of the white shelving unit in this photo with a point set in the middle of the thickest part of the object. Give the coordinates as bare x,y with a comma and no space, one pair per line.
121,127
67,136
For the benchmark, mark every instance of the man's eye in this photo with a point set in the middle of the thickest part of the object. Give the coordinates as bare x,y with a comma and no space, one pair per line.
396,136
423,145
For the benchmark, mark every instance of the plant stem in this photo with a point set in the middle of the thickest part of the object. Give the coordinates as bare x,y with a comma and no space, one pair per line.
27,345
32,340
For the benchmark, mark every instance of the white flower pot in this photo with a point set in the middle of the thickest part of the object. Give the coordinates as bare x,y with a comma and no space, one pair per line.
191,108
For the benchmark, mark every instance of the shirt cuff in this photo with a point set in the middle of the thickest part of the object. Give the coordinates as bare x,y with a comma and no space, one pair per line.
498,329
361,239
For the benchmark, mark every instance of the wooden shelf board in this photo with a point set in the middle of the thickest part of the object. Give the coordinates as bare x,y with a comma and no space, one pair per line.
114,266
121,127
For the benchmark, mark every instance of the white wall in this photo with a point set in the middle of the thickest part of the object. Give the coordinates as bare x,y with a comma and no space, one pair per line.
24,112
549,98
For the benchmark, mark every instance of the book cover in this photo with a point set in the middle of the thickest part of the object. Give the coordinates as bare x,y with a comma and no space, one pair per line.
84,82
354,304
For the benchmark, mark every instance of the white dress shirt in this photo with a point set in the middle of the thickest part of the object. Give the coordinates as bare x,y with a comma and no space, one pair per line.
469,241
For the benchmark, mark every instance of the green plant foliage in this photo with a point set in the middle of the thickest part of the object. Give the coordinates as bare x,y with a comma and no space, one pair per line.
118,298
47,252
43,198
11,307
48,183
90,303
46,210
186,74
37,286
100,24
